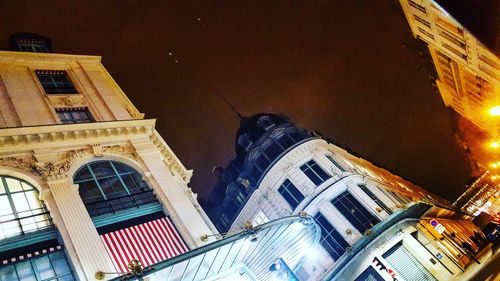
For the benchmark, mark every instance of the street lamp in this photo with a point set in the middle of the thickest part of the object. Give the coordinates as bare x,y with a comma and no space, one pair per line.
495,144
494,111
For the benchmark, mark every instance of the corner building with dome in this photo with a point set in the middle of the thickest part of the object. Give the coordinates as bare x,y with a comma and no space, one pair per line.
374,225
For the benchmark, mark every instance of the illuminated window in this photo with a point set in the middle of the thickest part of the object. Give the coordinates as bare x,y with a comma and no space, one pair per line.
331,239
20,209
108,186
314,172
74,115
55,82
291,194
354,212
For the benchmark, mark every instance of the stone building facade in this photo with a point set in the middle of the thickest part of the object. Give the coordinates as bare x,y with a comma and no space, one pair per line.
468,72
282,169
78,162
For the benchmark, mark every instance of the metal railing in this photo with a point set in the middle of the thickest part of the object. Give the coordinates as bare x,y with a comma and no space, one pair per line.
112,205
20,224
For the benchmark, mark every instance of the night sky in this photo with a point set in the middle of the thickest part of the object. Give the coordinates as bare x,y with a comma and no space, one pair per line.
337,67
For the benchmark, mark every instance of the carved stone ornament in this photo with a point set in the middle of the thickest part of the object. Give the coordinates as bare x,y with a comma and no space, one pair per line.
58,169
69,101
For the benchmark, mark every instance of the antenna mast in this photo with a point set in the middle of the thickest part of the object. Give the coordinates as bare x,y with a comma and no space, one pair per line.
217,92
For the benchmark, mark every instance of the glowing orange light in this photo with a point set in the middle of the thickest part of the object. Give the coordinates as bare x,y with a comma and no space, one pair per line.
494,165
495,144
495,111
493,178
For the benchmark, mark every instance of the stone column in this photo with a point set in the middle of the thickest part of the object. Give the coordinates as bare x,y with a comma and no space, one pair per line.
174,195
69,247
88,247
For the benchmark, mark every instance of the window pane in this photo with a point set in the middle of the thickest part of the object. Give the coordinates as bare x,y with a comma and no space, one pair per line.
8,273
27,187
13,185
331,240
291,194
43,267
131,184
314,172
123,168
83,174
25,272
354,212
20,203
112,187
33,201
5,208
102,169
89,191
59,262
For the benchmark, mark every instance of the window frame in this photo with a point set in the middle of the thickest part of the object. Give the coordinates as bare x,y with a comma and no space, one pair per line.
53,87
33,215
287,187
71,111
318,179
127,198
35,271
374,197
363,220
330,234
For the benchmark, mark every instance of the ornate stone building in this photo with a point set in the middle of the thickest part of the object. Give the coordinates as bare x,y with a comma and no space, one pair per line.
374,224
86,183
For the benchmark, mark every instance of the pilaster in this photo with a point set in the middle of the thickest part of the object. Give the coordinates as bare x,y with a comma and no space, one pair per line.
89,250
174,194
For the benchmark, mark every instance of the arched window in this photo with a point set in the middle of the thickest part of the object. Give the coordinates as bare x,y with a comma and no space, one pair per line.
20,209
109,186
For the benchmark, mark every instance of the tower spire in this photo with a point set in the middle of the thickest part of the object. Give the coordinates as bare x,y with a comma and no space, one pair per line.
217,92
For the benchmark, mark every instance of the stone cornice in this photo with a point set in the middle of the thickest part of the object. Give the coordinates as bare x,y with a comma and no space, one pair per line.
28,138
97,137
29,57
173,163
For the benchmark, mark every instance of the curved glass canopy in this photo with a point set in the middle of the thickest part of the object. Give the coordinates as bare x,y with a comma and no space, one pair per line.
248,255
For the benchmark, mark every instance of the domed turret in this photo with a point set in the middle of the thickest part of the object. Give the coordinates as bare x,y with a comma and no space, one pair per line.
260,141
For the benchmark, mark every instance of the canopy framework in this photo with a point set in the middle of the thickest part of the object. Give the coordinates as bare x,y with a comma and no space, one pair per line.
247,254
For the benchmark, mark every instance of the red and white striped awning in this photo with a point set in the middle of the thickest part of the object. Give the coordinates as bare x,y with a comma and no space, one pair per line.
150,242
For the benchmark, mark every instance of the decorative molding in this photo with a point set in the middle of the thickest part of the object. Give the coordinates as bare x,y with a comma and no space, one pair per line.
97,149
26,138
173,163
27,164
58,169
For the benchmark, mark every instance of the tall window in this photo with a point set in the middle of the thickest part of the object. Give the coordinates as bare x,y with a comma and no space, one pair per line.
375,198
354,211
331,240
342,169
74,115
108,186
314,172
50,267
291,194
55,82
20,209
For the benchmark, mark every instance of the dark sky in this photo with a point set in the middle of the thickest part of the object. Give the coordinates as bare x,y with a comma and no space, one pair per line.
337,67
